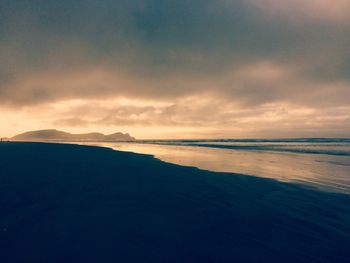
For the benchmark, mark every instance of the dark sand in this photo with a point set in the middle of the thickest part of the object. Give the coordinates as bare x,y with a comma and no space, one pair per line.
69,203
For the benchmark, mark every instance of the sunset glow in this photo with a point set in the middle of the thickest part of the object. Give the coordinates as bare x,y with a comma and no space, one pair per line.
177,69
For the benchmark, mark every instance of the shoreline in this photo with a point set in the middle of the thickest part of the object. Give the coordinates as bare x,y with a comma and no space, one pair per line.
69,202
313,170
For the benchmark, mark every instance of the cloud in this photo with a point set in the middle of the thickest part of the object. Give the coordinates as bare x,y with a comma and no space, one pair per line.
71,122
220,116
191,117
321,10
186,63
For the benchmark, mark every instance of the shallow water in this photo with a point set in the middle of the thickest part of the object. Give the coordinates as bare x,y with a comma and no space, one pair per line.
327,169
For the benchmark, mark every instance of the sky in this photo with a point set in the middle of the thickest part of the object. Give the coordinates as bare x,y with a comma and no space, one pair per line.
176,69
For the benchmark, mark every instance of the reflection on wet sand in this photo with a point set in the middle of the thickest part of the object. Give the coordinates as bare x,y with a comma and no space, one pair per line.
327,172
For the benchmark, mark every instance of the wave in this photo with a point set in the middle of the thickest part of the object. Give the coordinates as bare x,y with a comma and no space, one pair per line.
276,149
328,146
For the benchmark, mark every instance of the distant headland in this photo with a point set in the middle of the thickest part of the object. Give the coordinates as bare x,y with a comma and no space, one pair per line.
56,135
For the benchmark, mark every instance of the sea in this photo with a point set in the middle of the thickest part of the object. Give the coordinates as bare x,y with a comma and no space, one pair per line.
321,163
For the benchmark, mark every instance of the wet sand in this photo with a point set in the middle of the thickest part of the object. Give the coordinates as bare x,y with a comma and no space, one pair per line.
70,203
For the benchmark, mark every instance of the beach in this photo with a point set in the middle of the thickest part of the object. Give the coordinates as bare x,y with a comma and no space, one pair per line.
74,203
322,164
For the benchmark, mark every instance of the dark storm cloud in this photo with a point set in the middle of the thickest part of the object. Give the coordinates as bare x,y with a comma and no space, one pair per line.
162,49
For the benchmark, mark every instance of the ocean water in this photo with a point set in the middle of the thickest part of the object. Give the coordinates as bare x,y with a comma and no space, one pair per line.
320,163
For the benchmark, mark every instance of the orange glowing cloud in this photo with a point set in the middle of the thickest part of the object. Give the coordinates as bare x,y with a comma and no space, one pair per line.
166,68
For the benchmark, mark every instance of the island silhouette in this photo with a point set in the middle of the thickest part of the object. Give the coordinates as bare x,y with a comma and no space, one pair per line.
56,135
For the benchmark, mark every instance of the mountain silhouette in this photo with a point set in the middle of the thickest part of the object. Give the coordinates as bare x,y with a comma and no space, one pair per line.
56,135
